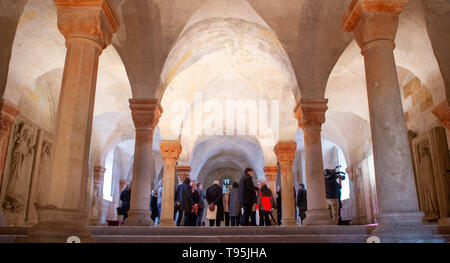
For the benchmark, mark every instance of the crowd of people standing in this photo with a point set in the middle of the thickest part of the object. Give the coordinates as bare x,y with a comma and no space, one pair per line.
237,207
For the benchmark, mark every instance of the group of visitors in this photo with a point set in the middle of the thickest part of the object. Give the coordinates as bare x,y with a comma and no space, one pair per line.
238,206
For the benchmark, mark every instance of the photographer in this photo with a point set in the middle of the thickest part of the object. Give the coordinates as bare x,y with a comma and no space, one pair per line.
332,188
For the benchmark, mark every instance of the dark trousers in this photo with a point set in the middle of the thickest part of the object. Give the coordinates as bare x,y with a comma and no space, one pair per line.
179,217
264,218
227,218
302,212
190,219
261,218
199,217
248,214
253,222
279,216
211,222
235,221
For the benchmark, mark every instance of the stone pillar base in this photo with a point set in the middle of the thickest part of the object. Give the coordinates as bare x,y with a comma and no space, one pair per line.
318,217
288,222
94,222
403,228
56,225
167,222
444,221
138,217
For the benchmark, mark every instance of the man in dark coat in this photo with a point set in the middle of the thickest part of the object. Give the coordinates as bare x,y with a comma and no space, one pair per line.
301,201
247,194
185,199
125,197
214,195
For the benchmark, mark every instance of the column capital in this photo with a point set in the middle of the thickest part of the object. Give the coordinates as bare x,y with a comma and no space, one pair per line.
285,151
99,172
183,171
8,113
310,113
442,112
271,172
358,8
91,21
373,21
170,150
145,114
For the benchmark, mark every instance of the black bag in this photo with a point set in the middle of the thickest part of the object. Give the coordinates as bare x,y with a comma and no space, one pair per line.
120,211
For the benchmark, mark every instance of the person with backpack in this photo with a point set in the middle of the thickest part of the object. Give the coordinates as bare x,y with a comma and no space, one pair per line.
266,204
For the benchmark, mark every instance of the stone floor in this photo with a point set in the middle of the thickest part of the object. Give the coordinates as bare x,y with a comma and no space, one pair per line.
310,234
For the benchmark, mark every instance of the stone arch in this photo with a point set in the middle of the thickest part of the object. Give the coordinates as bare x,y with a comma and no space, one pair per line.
238,153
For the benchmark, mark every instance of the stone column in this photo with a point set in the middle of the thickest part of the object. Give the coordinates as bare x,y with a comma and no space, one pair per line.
183,171
97,196
145,113
8,113
374,25
88,27
310,114
442,112
285,152
170,151
271,178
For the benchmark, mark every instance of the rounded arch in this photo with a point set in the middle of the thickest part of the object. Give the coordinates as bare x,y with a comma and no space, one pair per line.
223,151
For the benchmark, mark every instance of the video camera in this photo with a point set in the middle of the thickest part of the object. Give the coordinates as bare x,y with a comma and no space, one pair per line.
334,174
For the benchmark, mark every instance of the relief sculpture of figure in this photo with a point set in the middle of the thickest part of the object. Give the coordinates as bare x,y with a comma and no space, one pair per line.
23,147
429,196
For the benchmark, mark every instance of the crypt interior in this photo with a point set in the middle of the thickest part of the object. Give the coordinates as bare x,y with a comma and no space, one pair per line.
100,93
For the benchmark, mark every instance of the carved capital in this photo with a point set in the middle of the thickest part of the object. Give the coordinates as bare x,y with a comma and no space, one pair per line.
374,22
91,21
8,113
359,8
170,151
442,112
99,172
349,171
271,172
145,114
285,151
183,171
310,113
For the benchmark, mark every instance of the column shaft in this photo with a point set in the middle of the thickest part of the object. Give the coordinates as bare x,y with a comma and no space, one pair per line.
87,28
375,27
271,178
311,115
97,196
285,152
170,151
146,113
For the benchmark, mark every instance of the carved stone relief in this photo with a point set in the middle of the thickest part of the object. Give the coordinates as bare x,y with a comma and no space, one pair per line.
431,160
23,167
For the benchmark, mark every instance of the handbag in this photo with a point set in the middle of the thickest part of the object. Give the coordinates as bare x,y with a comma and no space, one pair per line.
212,214
212,207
